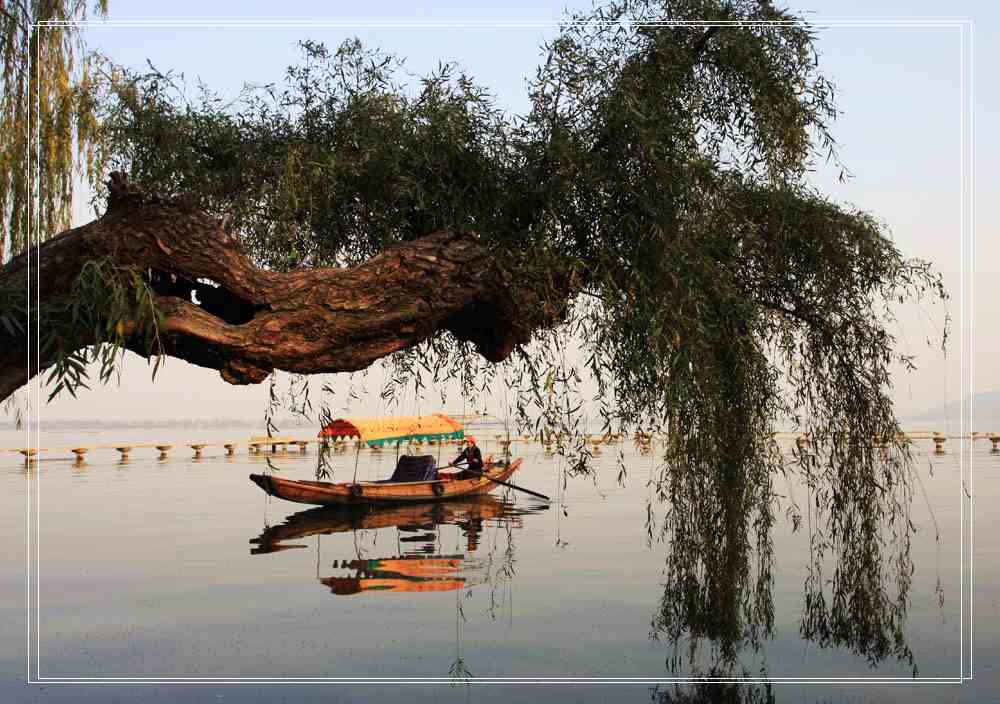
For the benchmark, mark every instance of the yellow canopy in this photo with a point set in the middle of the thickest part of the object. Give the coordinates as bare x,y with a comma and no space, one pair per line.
378,431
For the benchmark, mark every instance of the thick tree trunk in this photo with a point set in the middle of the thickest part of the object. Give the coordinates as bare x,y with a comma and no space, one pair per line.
253,321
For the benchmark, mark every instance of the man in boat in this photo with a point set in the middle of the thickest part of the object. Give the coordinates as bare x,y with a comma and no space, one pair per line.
472,455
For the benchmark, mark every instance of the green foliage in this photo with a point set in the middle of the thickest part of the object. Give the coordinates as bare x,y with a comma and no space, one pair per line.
46,99
658,193
109,305
330,170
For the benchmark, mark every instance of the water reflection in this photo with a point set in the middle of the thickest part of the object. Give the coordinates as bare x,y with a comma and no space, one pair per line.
416,524
714,693
717,607
412,573
419,566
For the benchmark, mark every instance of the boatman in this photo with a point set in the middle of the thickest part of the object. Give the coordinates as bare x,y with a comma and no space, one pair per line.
472,455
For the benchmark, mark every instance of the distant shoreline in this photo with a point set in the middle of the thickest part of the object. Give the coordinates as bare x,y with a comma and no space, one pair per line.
983,422
173,423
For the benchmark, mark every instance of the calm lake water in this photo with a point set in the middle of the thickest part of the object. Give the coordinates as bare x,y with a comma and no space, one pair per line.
184,569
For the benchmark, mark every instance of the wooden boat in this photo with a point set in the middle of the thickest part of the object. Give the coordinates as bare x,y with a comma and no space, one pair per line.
448,485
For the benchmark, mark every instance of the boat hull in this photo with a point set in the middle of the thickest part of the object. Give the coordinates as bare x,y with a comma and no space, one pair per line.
328,494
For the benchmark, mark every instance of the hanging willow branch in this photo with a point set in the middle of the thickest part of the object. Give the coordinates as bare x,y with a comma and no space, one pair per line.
47,96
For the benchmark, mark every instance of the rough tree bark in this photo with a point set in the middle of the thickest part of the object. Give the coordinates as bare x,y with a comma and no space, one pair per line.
253,320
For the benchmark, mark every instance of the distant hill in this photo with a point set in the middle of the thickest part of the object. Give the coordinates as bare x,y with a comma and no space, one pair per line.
985,409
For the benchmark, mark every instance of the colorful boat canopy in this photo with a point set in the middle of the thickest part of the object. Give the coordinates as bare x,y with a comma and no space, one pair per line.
395,429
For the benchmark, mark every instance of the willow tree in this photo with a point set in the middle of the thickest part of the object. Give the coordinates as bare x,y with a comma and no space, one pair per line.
649,221
47,120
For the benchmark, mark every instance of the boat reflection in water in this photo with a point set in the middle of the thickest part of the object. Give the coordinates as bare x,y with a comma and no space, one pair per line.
415,573
418,567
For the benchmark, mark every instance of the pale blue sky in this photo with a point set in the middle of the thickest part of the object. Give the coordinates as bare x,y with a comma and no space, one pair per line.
899,133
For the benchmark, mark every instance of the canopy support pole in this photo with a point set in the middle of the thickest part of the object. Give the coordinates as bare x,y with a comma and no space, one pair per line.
357,454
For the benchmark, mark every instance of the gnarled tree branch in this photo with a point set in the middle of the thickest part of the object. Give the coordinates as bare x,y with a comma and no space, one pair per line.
248,321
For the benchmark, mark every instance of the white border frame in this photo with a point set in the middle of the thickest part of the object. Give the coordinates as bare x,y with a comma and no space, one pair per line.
967,61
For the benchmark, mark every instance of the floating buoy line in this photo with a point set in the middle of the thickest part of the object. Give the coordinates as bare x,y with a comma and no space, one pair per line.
551,444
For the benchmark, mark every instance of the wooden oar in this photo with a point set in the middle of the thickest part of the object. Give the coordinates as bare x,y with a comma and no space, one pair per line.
498,481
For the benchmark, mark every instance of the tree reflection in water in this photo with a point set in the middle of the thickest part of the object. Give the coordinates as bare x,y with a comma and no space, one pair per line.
715,693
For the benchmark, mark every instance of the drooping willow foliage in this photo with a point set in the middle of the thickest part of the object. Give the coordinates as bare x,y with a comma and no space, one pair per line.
657,194
47,98
108,304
